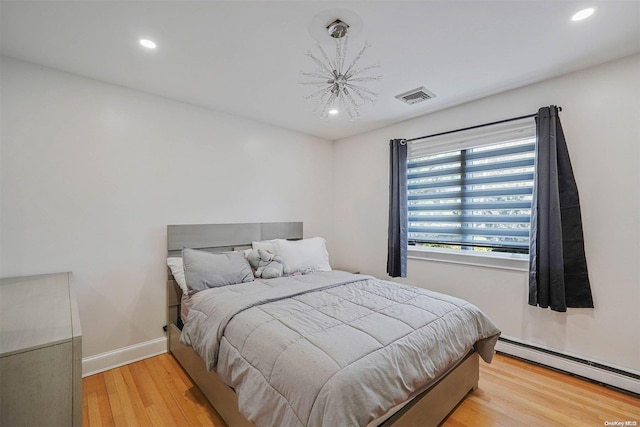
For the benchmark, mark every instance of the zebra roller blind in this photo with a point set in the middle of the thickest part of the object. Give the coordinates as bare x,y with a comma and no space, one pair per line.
473,190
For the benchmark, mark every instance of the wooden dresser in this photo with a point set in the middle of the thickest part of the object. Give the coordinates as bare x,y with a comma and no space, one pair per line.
40,352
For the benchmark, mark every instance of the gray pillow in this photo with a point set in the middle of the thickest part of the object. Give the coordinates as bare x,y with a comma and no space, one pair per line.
204,270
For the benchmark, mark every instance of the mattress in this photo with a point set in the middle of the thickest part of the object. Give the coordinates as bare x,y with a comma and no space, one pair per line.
331,348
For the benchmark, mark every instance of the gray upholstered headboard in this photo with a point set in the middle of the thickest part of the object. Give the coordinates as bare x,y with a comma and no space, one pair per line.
219,238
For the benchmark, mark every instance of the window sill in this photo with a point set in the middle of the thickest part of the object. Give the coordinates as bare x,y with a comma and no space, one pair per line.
518,262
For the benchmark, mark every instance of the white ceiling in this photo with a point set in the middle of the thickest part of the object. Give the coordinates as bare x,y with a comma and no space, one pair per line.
245,57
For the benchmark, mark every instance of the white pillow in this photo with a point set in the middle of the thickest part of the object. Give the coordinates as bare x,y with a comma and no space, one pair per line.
177,269
304,255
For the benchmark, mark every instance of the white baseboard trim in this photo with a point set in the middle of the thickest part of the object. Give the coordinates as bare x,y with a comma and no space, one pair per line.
123,356
582,368
133,353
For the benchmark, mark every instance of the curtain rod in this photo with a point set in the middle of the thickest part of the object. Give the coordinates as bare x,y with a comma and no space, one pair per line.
474,127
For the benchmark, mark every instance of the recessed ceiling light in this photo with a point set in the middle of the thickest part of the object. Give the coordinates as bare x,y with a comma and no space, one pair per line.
583,14
148,44
333,112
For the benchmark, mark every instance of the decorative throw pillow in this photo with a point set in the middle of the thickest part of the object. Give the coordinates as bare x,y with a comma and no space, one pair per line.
205,270
306,255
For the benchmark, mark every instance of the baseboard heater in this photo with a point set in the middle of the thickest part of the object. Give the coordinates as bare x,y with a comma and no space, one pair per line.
620,379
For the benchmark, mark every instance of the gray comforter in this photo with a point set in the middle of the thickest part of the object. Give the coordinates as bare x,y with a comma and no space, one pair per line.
331,348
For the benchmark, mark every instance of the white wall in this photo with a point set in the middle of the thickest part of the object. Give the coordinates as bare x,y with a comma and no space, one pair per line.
93,173
601,120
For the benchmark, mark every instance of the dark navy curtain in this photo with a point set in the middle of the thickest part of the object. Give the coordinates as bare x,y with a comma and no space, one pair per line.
558,275
397,237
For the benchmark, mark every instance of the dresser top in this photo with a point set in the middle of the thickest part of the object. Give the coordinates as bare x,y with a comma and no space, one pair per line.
36,311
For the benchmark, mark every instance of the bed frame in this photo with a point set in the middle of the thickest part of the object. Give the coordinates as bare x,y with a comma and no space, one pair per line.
429,408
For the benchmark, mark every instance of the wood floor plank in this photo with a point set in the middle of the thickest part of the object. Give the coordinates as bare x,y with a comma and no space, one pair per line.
178,390
85,401
118,400
96,400
476,413
173,414
129,382
188,397
154,416
158,392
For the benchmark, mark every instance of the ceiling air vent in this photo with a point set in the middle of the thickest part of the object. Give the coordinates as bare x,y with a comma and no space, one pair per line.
416,95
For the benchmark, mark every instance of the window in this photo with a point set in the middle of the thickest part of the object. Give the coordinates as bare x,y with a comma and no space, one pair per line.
476,197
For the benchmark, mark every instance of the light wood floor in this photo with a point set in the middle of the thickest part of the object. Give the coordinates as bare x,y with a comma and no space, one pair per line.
156,392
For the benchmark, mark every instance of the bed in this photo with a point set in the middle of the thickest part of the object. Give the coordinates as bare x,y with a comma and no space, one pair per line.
425,404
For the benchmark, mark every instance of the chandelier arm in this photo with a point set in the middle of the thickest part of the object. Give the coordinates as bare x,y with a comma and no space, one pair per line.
363,89
357,58
319,93
359,71
365,95
328,104
353,100
342,105
365,79
331,65
364,98
317,75
341,53
323,67
322,100
316,83
350,107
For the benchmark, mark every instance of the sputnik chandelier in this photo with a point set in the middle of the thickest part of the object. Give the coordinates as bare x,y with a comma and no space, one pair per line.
340,88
